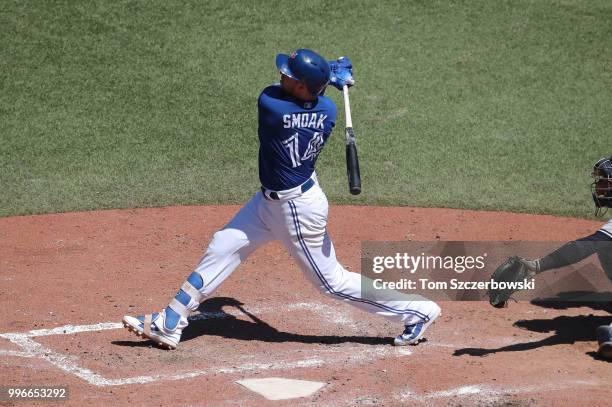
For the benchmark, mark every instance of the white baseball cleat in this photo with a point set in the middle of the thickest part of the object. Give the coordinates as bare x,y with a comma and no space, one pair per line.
152,327
413,333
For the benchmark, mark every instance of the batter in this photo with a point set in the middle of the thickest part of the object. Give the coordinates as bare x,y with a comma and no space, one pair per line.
295,122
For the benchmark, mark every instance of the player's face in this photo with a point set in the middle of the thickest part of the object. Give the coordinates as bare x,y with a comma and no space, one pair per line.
295,88
603,187
288,84
603,183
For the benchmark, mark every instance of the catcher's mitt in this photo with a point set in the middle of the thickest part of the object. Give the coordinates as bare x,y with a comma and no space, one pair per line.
513,269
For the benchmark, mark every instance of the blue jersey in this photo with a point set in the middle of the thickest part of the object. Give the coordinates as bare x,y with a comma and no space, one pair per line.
292,133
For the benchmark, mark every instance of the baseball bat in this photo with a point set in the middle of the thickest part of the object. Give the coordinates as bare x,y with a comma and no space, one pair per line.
352,161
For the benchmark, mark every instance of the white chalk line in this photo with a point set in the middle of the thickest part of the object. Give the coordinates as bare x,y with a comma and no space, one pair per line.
488,392
320,309
4,352
59,360
32,349
347,356
65,330
68,364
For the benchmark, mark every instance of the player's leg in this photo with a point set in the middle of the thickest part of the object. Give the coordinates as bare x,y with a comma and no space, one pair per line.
228,248
604,253
301,225
604,340
604,333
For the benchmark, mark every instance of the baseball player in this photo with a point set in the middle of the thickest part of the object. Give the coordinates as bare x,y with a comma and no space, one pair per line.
599,242
295,122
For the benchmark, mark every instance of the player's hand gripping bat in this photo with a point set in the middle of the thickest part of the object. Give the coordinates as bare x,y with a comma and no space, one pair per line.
352,161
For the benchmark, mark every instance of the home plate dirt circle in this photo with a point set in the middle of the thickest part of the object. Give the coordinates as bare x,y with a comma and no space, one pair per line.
68,279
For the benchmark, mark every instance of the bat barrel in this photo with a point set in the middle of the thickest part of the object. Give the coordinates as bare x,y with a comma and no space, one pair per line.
352,164
352,161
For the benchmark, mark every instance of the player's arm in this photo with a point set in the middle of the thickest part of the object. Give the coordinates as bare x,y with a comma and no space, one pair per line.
517,269
572,252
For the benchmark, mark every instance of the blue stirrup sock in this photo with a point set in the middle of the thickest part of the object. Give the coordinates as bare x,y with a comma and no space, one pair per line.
182,304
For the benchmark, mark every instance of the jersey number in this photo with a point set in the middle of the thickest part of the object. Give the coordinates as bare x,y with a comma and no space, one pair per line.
314,148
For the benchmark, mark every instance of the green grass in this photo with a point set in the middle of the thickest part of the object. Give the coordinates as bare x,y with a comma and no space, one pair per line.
483,104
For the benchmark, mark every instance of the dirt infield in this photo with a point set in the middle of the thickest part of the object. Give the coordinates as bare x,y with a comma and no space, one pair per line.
68,279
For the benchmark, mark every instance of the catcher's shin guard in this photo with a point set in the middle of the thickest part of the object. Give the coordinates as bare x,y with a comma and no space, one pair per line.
604,339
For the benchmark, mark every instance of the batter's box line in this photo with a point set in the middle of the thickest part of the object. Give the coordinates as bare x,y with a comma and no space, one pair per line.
67,363
490,394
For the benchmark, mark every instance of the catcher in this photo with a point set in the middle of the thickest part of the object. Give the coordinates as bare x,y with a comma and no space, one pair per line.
517,268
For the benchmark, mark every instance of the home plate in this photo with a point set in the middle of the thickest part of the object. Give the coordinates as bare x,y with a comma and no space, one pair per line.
277,388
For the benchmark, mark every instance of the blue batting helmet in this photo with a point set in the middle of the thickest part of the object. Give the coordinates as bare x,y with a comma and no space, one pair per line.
307,67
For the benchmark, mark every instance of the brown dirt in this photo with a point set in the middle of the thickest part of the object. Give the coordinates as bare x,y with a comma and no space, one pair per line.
88,268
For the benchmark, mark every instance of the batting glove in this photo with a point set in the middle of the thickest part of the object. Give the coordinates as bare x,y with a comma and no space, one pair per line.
341,73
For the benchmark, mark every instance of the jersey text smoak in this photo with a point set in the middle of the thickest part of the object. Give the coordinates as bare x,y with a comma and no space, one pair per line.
291,136
302,120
